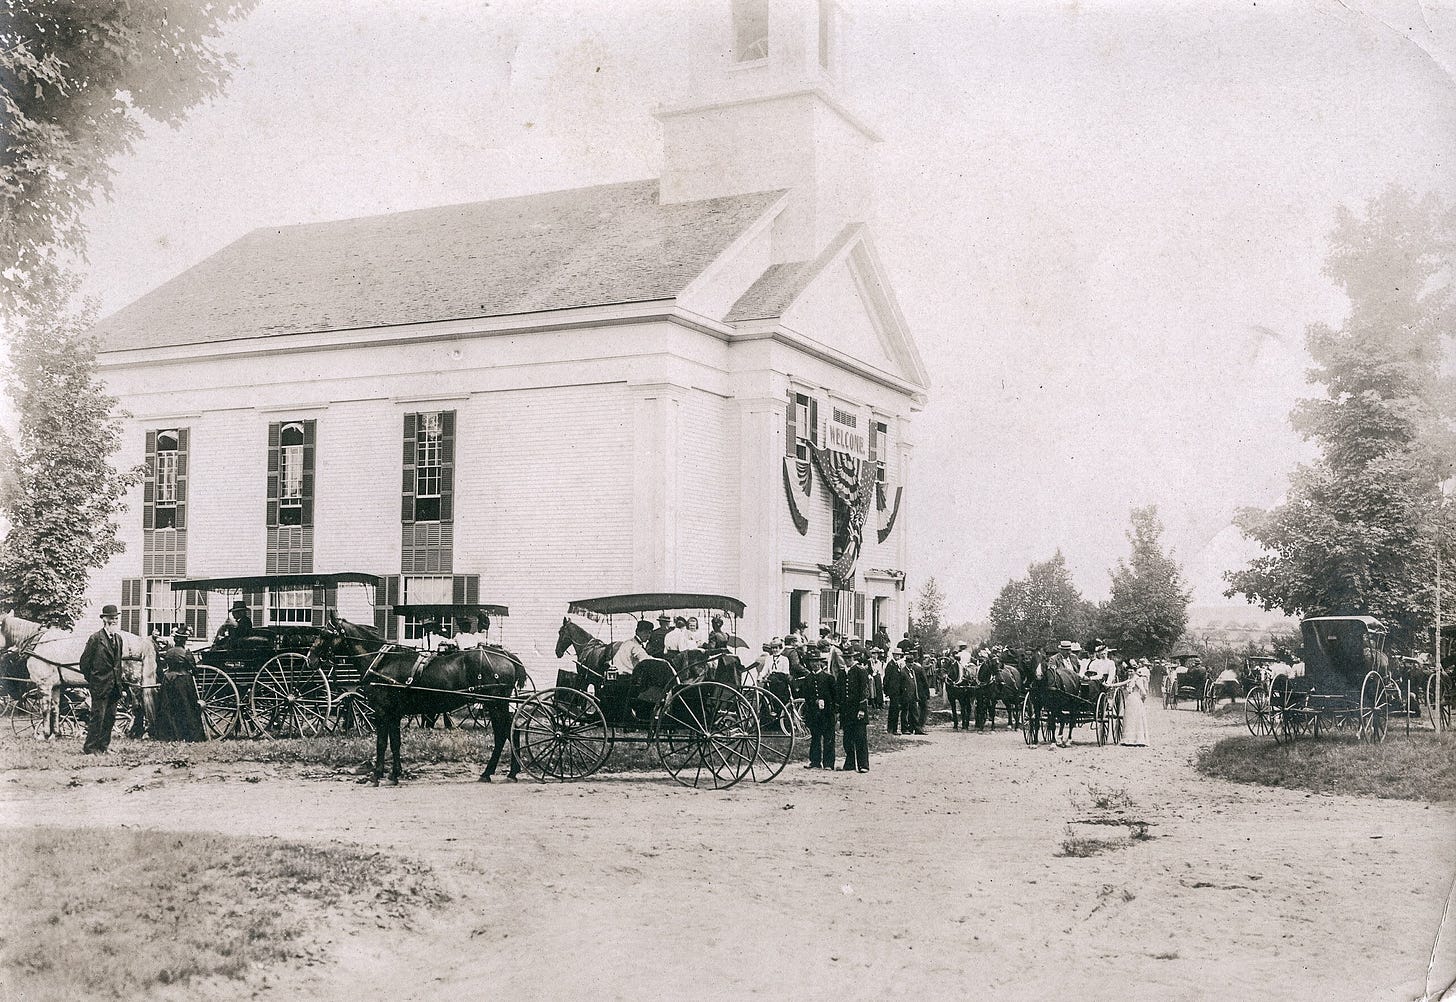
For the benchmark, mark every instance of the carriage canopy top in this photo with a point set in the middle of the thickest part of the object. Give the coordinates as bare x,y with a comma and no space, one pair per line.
451,610
613,605
1335,649
258,582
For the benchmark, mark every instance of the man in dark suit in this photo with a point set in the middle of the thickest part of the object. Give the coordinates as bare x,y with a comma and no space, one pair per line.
854,712
819,707
919,695
895,676
656,642
101,667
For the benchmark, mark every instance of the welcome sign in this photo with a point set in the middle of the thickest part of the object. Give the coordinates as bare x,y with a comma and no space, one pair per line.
844,435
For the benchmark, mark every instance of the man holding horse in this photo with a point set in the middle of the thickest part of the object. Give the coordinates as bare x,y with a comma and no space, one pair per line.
101,667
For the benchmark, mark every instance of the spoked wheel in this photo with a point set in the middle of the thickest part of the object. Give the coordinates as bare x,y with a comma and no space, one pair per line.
1109,717
25,717
1374,708
563,735
1282,725
352,714
1447,699
290,699
776,732
1210,696
706,734
218,701
794,718
1029,728
1258,714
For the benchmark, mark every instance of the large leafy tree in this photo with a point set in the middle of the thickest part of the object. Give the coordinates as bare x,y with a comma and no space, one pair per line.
1148,609
76,81
927,616
1042,607
1356,534
58,489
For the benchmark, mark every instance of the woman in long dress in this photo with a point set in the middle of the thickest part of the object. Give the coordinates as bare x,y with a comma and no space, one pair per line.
1135,704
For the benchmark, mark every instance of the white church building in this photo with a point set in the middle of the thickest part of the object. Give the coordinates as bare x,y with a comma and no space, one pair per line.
697,383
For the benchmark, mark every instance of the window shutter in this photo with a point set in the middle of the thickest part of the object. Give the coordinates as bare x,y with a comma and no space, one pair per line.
308,474
457,589
791,418
859,614
255,606
149,487
407,481
447,466
828,606
131,593
472,589
874,441
813,435
183,439
391,598
320,603
274,430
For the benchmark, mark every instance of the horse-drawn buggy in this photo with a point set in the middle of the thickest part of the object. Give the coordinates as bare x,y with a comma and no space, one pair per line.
1350,683
1187,680
690,704
259,679
1059,699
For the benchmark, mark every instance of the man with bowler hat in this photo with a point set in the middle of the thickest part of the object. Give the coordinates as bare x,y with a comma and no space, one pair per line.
101,667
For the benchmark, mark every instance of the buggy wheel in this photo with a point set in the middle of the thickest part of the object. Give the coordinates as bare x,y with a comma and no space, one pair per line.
1029,727
289,699
1210,696
218,701
706,734
563,735
1282,725
25,714
1258,715
1374,708
1447,697
776,733
353,714
794,718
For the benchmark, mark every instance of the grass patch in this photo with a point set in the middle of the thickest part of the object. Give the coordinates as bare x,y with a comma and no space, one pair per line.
1421,768
1081,847
100,913
420,746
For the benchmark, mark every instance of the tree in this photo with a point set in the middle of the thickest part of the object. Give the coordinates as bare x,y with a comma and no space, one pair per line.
58,490
1042,607
1148,609
76,80
927,616
1356,534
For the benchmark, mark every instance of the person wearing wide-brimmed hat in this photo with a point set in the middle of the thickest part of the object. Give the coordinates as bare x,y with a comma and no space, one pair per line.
101,667
238,624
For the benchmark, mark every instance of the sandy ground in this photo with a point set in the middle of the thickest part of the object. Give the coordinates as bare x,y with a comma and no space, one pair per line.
936,875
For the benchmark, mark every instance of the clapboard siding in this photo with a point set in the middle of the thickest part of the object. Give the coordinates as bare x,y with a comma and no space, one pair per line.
356,507
543,505
708,506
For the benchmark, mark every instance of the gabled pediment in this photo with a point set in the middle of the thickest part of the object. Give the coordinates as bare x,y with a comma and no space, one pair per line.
841,300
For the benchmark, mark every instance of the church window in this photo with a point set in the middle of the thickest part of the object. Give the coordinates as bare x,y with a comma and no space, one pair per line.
290,475
801,425
429,468
750,30
166,480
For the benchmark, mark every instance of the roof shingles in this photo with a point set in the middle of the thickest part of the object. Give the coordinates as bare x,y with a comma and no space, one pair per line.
584,247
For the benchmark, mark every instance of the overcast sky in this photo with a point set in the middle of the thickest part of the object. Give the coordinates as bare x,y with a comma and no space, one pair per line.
1105,221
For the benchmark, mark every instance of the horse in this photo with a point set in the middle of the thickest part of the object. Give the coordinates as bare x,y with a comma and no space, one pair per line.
396,688
998,682
960,687
1057,693
51,657
593,656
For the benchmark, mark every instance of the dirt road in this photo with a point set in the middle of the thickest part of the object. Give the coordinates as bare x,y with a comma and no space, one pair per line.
939,874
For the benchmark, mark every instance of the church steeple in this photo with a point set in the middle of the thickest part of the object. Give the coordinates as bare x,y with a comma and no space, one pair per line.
764,111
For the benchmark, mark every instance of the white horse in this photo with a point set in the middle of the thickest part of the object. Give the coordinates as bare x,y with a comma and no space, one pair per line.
52,656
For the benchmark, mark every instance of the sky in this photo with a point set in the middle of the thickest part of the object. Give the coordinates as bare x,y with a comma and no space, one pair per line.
1105,222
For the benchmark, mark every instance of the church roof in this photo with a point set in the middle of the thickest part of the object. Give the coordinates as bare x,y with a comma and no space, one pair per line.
584,247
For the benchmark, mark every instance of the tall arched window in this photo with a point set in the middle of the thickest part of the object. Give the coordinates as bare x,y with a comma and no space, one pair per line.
290,474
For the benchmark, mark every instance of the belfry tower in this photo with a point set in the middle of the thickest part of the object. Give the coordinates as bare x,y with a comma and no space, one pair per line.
764,110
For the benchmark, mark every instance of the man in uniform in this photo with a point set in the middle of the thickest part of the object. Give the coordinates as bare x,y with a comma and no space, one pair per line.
896,676
819,707
854,707
101,667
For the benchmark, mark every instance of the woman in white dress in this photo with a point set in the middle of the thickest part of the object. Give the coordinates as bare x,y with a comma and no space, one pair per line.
1135,704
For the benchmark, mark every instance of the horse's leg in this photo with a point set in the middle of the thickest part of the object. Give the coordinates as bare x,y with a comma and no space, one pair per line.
53,711
498,739
395,769
381,737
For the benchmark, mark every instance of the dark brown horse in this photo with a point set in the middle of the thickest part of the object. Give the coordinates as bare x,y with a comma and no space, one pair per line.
593,656
1055,697
397,686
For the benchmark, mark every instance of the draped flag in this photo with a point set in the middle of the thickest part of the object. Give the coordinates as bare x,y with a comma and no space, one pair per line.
851,482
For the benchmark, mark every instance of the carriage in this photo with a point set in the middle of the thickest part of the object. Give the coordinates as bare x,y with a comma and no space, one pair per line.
1101,710
707,727
264,684
1189,680
354,716
1256,679
1350,683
